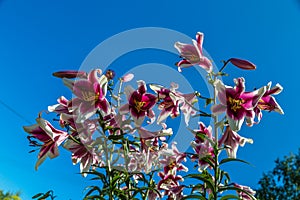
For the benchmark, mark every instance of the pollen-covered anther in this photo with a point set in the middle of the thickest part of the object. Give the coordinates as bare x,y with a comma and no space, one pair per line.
139,105
235,104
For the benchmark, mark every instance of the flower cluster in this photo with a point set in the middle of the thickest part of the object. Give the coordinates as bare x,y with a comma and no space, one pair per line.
104,130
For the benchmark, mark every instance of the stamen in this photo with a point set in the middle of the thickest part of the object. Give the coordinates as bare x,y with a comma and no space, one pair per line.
139,105
235,104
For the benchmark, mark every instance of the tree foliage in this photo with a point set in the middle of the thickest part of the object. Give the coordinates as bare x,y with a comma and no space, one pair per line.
9,195
283,182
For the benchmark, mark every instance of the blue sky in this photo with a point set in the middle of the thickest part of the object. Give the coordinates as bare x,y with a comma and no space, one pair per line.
38,38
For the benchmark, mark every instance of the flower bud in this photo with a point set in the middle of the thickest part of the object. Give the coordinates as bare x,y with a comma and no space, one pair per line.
110,74
127,77
242,64
70,74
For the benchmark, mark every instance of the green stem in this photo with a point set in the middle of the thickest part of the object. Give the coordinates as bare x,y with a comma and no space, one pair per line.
215,117
224,65
119,93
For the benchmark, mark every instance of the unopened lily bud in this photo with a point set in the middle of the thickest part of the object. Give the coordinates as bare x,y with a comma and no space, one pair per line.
127,77
70,74
110,74
242,64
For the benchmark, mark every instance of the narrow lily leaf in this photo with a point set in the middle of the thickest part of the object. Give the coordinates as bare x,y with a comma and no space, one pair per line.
45,196
208,101
229,196
37,195
94,197
115,137
94,188
237,189
207,159
204,178
194,196
225,160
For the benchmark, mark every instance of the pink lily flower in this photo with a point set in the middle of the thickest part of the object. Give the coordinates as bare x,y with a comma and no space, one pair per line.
82,153
61,107
243,195
170,184
203,146
232,140
268,102
49,136
145,158
118,122
172,101
172,160
91,94
237,103
146,134
139,103
193,54
83,130
186,108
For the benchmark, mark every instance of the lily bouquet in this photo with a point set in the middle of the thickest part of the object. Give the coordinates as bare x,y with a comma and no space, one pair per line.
108,137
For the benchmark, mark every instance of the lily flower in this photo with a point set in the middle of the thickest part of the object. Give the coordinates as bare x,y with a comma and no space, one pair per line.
61,107
139,103
82,153
237,103
83,130
193,54
146,134
268,102
187,106
49,136
244,195
91,94
203,145
232,140
172,101
146,157
172,160
170,184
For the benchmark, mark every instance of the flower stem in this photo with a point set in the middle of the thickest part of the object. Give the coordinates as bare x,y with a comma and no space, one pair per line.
224,65
216,152
119,93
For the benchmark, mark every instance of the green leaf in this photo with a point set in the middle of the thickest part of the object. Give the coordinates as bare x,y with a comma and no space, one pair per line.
206,178
44,196
94,188
222,74
208,101
115,137
225,160
37,195
194,196
230,196
237,189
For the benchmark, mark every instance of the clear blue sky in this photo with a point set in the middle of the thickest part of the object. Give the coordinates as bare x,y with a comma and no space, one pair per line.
40,37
